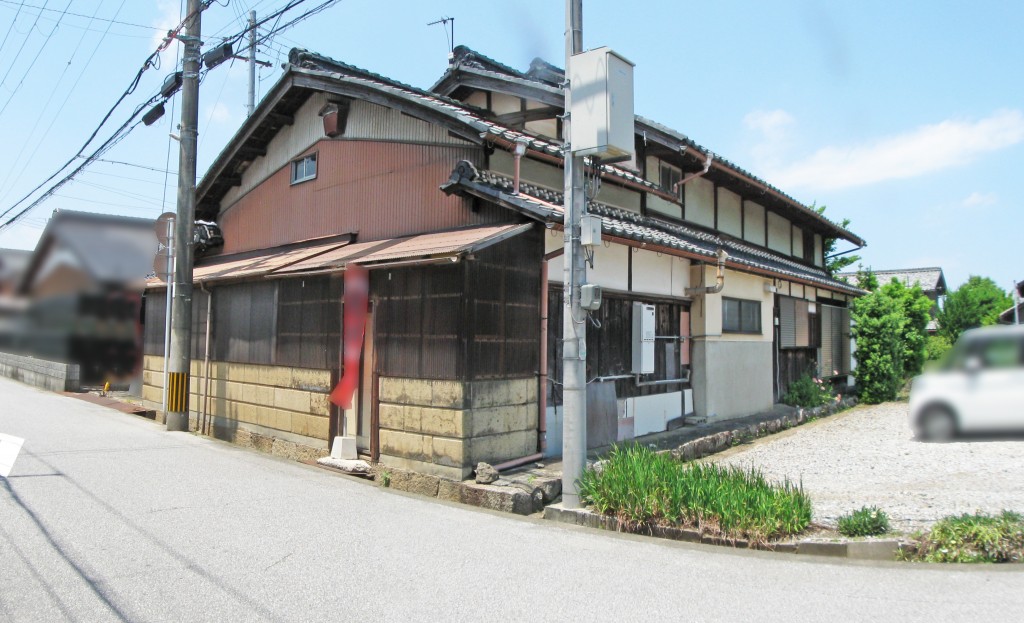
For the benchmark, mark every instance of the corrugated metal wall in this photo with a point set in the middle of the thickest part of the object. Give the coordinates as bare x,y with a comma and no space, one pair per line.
374,122
379,189
290,142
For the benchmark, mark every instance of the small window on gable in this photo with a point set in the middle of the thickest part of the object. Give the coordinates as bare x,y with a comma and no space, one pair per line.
670,178
304,169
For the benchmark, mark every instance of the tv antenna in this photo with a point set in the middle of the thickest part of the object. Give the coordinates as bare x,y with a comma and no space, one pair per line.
449,30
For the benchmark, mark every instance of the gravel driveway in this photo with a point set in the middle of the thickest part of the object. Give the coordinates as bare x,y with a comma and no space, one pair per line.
868,455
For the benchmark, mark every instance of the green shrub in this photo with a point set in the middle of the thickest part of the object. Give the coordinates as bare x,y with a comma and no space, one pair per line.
936,347
867,521
641,487
807,391
878,328
974,538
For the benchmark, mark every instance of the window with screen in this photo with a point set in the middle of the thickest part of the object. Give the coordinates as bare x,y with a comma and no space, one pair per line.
741,316
304,169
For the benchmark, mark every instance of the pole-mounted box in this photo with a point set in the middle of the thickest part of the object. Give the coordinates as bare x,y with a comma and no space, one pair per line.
601,84
643,338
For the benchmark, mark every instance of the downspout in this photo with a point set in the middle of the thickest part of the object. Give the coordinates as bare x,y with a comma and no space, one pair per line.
707,167
719,278
518,151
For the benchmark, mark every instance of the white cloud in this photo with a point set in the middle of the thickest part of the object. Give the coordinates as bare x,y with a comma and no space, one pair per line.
772,126
978,199
772,123
168,16
921,151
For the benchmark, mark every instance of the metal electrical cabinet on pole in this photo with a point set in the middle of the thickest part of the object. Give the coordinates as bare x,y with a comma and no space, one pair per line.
574,328
181,315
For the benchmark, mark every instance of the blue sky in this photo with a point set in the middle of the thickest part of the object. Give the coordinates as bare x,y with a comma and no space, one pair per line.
907,118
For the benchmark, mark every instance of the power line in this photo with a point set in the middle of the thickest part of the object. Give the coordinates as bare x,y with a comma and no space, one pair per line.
110,21
14,62
11,27
132,164
35,58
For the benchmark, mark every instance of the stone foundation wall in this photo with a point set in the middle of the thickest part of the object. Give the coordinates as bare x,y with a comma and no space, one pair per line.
283,411
445,428
52,375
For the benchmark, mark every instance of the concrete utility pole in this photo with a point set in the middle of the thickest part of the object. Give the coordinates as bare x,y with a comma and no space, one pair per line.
574,327
252,63
181,328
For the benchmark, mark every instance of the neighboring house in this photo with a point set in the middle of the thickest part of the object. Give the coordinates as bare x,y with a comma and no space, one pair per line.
84,280
1008,317
13,263
339,167
931,281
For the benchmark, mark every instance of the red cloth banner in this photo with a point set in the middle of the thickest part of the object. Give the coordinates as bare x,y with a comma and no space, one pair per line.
356,300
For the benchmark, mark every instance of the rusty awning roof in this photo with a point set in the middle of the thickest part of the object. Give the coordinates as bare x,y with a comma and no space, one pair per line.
264,261
437,246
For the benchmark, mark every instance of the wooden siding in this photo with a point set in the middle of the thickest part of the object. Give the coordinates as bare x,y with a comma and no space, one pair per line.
378,189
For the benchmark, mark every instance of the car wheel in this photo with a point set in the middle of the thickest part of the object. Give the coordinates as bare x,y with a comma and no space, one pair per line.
937,424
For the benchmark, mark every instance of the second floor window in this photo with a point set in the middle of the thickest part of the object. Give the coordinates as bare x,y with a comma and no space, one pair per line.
304,169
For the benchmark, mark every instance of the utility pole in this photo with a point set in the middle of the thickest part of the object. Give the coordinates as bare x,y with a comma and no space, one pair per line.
574,327
181,314
252,63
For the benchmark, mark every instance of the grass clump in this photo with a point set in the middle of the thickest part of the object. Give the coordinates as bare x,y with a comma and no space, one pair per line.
643,488
867,521
973,538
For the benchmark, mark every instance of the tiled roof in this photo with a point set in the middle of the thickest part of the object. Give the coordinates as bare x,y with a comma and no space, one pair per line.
929,279
546,205
541,74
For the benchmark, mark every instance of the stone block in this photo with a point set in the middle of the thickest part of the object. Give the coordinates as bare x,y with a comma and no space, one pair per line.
391,390
419,392
505,499
495,449
309,380
449,452
412,419
447,394
434,421
391,416
300,424
406,445
319,404
503,419
283,420
318,427
412,482
449,490
291,399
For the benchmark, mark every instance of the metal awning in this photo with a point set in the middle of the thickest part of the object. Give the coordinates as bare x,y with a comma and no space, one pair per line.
265,261
439,246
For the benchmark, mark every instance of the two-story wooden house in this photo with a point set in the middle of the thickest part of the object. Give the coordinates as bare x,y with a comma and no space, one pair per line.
340,167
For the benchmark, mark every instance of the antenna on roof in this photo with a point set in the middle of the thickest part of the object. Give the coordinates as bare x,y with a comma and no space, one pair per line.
449,24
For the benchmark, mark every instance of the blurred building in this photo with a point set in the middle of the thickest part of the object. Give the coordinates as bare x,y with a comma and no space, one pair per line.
81,291
1007,317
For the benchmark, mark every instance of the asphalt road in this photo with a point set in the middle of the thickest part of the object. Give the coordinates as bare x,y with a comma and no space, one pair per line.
108,517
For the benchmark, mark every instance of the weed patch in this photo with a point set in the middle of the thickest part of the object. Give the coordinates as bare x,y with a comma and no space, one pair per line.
642,488
866,521
973,538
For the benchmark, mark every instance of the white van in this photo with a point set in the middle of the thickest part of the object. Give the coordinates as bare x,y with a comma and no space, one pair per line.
979,389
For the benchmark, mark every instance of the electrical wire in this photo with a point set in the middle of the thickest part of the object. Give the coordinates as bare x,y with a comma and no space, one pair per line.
14,62
22,5
11,27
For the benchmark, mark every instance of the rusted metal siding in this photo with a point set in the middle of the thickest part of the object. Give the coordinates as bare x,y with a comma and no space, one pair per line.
380,190
375,122
290,142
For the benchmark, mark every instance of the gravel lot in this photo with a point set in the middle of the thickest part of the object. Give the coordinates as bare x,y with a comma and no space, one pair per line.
868,455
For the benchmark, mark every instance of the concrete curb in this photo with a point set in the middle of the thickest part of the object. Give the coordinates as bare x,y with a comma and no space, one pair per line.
883,549
723,440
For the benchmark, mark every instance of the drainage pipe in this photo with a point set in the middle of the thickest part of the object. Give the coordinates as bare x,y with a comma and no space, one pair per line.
719,278
707,167
517,462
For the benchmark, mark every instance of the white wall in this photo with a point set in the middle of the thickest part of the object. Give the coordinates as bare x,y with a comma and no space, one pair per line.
730,220
778,233
700,202
753,223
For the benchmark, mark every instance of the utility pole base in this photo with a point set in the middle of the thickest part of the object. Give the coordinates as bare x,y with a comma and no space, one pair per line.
176,421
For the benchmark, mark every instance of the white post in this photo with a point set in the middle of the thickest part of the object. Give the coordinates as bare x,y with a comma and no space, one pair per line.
167,307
